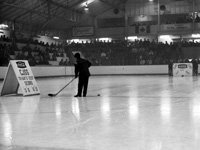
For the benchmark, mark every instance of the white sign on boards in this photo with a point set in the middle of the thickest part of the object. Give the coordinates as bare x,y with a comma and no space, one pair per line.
182,69
19,74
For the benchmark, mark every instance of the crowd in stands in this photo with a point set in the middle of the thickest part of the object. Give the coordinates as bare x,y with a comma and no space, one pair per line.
139,52
37,53
128,53
187,19
166,19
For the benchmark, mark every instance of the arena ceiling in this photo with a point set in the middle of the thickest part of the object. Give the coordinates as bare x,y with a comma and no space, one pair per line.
58,15
54,14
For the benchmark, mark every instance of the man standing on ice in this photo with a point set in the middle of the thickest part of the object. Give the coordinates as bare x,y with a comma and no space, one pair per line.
83,74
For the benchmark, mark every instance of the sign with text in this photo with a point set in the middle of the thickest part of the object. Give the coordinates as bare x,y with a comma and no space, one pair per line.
19,74
177,26
182,69
83,31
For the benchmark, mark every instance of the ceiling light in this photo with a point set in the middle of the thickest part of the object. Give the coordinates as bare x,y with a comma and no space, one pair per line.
132,37
164,36
195,35
56,37
3,26
86,7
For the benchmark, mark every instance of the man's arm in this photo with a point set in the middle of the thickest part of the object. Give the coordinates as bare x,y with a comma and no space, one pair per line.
89,63
76,70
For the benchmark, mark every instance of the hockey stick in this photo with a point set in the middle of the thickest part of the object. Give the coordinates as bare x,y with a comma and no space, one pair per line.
61,89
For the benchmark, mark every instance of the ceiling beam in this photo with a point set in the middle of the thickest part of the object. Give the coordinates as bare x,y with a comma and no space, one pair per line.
28,10
78,3
70,8
63,6
42,14
112,5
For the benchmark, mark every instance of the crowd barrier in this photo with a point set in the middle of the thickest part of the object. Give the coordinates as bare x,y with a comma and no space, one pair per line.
55,71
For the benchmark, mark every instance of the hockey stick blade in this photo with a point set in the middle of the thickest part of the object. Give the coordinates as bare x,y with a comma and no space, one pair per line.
51,95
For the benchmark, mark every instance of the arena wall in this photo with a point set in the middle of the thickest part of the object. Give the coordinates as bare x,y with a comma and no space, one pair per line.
50,71
56,71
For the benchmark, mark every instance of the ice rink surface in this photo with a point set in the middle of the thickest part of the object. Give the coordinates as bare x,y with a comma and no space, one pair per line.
132,113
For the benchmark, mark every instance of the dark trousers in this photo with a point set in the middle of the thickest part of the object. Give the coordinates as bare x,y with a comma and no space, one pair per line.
170,72
82,85
195,70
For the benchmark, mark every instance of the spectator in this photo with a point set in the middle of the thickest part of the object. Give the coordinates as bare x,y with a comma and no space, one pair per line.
61,63
197,19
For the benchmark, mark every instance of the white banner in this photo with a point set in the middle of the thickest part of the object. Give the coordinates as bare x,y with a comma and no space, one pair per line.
177,26
83,31
182,69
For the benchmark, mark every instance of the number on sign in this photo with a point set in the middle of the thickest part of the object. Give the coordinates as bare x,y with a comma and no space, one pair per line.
23,72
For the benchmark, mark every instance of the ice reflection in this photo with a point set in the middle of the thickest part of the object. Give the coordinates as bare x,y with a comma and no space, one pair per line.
29,104
75,108
195,112
155,145
105,108
26,115
196,109
6,127
133,108
58,110
165,107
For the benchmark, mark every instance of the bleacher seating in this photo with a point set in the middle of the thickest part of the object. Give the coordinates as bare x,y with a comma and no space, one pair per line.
99,53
